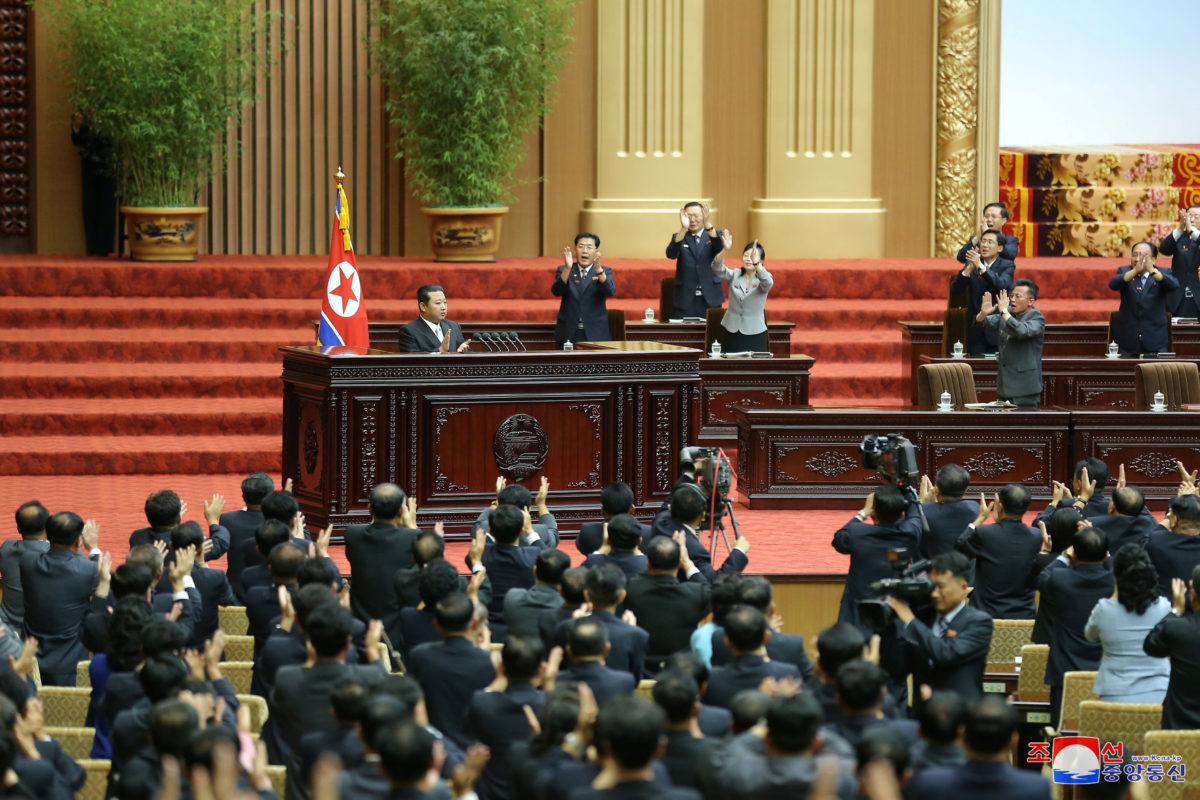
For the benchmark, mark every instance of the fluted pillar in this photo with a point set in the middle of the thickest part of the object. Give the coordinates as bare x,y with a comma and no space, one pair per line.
650,107
818,200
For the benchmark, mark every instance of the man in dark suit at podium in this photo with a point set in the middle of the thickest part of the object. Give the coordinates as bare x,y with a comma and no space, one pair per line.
1020,329
432,332
1142,324
985,274
1183,245
693,246
584,286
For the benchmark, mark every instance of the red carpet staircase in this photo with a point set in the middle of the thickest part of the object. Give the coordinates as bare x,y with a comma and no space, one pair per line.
117,368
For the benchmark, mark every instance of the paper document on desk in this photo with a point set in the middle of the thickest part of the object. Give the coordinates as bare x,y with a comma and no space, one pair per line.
995,405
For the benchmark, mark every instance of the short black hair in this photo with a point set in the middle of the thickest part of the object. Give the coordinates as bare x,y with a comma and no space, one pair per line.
309,599
1028,284
1001,239
748,708
883,741
515,494
745,627
347,700
255,487
1153,248
1003,208
1097,471
859,684
131,579
204,742
161,636
952,480
693,204
521,656
550,566
31,518
889,506
454,612
662,553
379,712
506,522
838,644
990,725
762,252
624,532
1090,545
161,676
402,687
587,637
676,693
172,723
1015,499
386,501
317,570
1186,508
14,687
187,534
605,584
793,722
689,662
954,563
280,505
271,533
329,627
285,561
630,730
438,579
1128,500
616,498
126,626
405,752
724,595
755,590
163,508
591,236
1062,526
574,581
941,716
64,528
427,546
425,291
687,503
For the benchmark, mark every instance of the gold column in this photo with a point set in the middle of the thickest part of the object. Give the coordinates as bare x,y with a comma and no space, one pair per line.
650,104
818,199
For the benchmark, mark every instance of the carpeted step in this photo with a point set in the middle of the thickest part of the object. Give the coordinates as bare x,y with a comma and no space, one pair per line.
136,344
150,379
232,416
117,455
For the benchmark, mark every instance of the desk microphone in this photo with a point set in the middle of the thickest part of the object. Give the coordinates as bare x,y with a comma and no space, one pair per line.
516,339
486,338
500,339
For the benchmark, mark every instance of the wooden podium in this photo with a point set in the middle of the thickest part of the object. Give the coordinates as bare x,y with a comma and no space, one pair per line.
444,426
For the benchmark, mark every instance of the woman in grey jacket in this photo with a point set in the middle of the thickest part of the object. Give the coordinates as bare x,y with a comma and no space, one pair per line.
745,322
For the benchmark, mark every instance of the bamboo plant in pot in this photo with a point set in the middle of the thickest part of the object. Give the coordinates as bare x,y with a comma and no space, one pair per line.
467,80
159,82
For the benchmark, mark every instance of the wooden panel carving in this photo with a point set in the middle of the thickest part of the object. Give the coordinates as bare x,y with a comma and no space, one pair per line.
14,124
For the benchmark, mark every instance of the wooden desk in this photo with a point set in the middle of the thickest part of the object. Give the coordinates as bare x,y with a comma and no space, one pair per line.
809,457
1082,339
1146,442
443,426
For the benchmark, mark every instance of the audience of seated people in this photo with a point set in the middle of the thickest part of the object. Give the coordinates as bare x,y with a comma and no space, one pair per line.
521,678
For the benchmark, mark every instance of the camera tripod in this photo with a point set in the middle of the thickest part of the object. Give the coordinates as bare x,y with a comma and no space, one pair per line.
717,524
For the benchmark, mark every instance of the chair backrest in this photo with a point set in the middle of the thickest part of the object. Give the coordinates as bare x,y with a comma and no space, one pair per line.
1185,744
1077,687
1031,683
645,689
65,706
239,648
83,675
96,784
1179,381
278,776
1111,334
955,328
616,324
955,377
712,326
240,674
666,299
233,620
258,710
1008,637
1119,722
76,742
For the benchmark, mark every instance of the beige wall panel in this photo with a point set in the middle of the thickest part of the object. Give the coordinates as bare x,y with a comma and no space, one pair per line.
808,604
903,125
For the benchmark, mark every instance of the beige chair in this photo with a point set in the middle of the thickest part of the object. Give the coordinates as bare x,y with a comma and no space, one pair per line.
239,648
278,776
240,674
1077,687
616,325
645,689
97,778
1185,744
955,377
65,706
1119,722
1008,637
233,620
258,711
1031,683
1179,381
76,742
83,678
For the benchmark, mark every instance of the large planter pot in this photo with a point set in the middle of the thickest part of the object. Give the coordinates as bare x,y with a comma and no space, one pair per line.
465,234
168,233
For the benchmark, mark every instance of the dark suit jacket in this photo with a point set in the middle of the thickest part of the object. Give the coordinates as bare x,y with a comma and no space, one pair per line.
715,722
636,790
1044,619
12,553
450,672
1120,531
262,611
1003,553
375,552
1096,506
744,672
1070,593
686,759
628,642
497,719
604,682
736,561
344,741
1020,352
583,300
868,546
787,648
241,526
591,536
217,533
417,627
1142,322
632,564
1178,638
58,587
1174,555
508,567
979,780
215,591
693,269
946,523
417,337
668,610
524,607
998,276
1185,258
956,659
39,777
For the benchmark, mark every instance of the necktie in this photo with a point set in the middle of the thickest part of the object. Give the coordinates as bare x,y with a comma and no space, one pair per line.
939,627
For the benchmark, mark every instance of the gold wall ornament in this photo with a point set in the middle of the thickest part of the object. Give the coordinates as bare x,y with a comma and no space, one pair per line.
956,124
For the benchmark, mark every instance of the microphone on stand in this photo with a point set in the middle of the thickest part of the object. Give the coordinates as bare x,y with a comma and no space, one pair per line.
486,339
499,338
514,337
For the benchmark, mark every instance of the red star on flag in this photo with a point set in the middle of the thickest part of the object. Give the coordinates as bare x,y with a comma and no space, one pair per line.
345,289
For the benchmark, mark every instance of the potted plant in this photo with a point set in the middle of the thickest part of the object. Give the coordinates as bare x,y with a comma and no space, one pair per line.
467,80
158,82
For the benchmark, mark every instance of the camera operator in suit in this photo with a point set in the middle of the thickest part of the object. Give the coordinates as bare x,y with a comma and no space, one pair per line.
1020,330
431,332
693,246
584,286
1142,324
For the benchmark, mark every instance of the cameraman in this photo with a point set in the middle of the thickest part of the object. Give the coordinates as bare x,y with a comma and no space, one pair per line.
948,650
686,511
895,525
